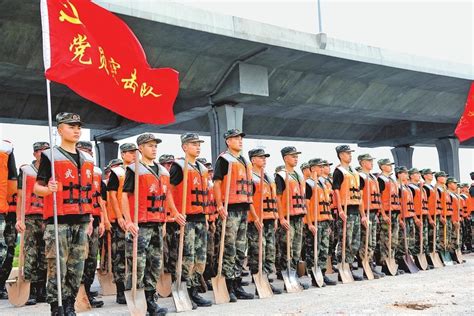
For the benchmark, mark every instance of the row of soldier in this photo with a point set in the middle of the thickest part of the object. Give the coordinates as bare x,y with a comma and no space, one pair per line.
428,210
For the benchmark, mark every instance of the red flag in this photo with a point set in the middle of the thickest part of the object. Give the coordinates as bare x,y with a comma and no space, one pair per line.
95,54
465,128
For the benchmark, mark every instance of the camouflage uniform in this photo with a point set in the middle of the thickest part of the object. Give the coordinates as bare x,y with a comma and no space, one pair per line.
90,264
194,253
212,250
466,234
430,235
149,255
3,245
235,244
268,247
384,235
296,237
424,232
352,236
72,254
324,233
10,234
449,235
171,242
118,253
410,239
35,260
333,236
372,237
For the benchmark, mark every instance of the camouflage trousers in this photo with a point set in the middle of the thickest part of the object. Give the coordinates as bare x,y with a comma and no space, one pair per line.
296,243
72,254
431,230
118,253
384,232
3,244
35,260
194,253
333,237
409,233
235,243
352,237
170,248
268,247
372,232
90,264
149,255
466,234
447,235
324,233
10,234
424,232
212,250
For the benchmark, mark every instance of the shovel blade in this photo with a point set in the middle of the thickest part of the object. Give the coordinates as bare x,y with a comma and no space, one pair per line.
163,286
136,302
421,261
390,267
264,289
446,257
345,272
367,269
318,276
291,281
219,287
409,265
435,260
82,303
329,269
458,256
18,291
106,280
181,299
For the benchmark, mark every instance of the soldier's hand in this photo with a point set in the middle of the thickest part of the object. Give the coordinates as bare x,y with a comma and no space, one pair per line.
222,212
284,224
442,220
101,229
432,223
132,228
207,225
53,186
343,216
258,224
402,224
121,222
312,228
180,219
20,226
276,225
90,228
387,219
213,227
108,226
363,221
456,224
417,222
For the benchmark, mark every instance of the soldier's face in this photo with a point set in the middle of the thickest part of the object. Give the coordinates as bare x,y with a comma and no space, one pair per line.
235,143
193,149
441,180
259,162
367,164
149,150
37,154
326,170
291,160
453,186
415,177
386,168
129,156
428,177
345,156
70,132
465,190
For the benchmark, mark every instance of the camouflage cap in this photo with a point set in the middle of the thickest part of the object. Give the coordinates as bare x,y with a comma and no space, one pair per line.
82,144
343,148
464,185
326,163
258,152
441,174
190,138
451,180
401,169
289,150
233,133
413,171
166,158
114,162
128,147
365,157
315,162
40,146
385,161
145,138
68,118
426,171
304,166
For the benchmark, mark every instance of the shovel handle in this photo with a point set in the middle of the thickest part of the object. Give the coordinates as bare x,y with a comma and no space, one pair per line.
135,220
21,257
224,221
367,215
179,264
109,252
315,212
260,233
288,232
344,229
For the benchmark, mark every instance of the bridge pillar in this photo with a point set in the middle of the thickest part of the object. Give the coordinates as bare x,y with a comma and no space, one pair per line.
403,156
106,151
221,119
448,153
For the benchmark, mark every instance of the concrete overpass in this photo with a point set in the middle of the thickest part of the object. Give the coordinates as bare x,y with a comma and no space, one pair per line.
272,82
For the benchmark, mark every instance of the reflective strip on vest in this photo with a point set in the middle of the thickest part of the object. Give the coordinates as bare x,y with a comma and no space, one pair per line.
241,180
351,184
297,194
269,198
390,197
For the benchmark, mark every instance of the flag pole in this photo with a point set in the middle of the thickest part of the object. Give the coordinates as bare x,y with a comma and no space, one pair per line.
55,205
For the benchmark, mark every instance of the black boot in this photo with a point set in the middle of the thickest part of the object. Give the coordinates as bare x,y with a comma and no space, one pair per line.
54,309
275,290
32,298
356,277
41,292
230,288
375,272
94,293
3,292
195,306
328,281
198,299
68,305
209,285
240,292
152,308
94,303
120,299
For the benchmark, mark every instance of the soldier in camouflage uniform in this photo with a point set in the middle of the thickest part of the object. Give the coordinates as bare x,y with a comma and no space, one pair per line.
10,234
196,207
33,227
153,195
468,206
318,205
74,209
420,201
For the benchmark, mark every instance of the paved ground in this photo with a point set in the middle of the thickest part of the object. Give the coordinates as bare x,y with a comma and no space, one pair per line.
448,290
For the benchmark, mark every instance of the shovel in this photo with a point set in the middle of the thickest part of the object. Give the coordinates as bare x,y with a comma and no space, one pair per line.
420,258
445,255
106,277
316,270
409,265
390,267
219,287
365,261
434,256
19,289
163,286
135,298
457,252
289,275
181,299
260,279
329,269
82,303
343,267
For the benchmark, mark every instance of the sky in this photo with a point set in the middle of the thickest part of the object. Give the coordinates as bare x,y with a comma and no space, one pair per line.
435,29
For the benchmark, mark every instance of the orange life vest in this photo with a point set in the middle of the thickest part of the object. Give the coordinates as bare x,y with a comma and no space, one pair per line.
241,180
408,206
371,192
33,203
197,195
431,199
441,202
152,189
419,199
6,149
350,185
465,202
390,197
74,196
12,202
321,199
119,171
96,187
454,204
296,190
332,198
269,198
212,200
